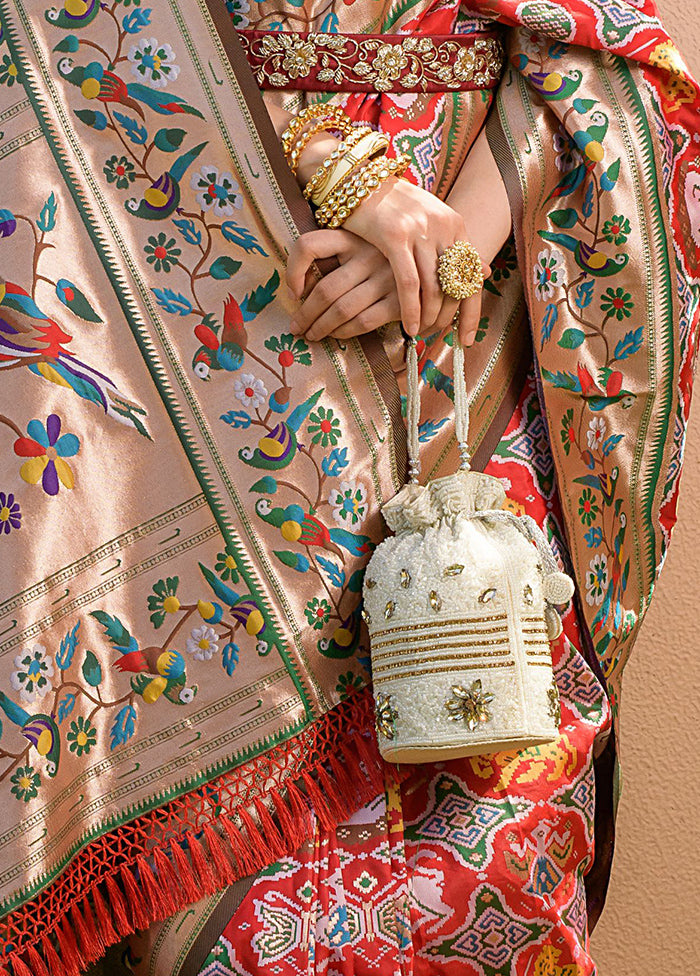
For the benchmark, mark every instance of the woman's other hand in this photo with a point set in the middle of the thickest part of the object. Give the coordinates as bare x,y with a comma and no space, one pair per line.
357,297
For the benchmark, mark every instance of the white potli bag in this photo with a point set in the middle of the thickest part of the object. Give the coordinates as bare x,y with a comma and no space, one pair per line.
461,605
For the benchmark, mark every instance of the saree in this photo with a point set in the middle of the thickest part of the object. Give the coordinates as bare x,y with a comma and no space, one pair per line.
185,693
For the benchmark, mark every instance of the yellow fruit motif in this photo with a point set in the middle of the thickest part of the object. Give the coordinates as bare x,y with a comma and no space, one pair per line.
90,88
171,604
291,531
156,198
206,610
270,447
343,636
597,260
255,623
154,689
553,82
595,152
76,8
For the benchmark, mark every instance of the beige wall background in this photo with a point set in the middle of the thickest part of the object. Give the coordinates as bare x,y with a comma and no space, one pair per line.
651,923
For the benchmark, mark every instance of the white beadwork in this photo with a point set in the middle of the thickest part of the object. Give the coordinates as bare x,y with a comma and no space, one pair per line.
462,653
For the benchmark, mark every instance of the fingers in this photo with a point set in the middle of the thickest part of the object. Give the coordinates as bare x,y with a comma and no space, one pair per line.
431,296
407,280
374,317
306,249
331,290
349,306
469,314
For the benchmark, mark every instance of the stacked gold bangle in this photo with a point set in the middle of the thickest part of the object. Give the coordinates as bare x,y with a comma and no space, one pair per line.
352,191
352,172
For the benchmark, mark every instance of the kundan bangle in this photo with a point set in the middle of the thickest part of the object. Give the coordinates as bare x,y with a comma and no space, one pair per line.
320,125
370,146
318,110
350,194
327,167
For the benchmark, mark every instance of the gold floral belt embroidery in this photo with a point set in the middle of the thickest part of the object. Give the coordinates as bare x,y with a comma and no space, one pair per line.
374,62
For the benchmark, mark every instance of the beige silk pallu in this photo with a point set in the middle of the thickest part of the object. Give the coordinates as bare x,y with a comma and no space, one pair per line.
189,493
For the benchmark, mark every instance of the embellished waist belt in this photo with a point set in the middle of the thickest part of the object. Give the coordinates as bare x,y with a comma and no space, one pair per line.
374,62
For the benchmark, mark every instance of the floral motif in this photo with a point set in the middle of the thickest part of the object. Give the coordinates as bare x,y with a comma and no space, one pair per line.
596,579
385,716
548,272
503,264
226,566
299,58
324,427
389,62
349,503
163,600
120,171
216,191
8,223
587,506
289,350
10,513
47,449
153,63
617,229
250,390
317,612
348,684
469,705
162,252
567,156
203,643
595,435
8,71
568,431
32,679
25,783
617,302
81,736
239,10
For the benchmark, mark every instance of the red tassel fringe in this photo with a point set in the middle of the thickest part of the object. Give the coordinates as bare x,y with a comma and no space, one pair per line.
128,903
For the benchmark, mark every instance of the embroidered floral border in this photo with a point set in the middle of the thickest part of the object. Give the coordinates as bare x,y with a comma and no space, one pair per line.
373,62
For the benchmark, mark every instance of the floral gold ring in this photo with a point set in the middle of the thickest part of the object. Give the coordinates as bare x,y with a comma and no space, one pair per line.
459,271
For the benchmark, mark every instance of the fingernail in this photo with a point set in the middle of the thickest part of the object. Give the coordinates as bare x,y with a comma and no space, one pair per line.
294,326
291,294
471,336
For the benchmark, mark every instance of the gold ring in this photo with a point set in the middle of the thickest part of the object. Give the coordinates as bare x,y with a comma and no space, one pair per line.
459,271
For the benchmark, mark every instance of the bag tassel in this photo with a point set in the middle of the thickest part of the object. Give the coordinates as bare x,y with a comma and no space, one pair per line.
151,890
53,960
183,869
72,963
19,968
201,867
224,872
139,915
290,828
118,907
104,922
91,945
265,854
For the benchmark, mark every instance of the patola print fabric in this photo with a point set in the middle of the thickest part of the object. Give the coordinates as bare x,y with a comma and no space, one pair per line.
189,493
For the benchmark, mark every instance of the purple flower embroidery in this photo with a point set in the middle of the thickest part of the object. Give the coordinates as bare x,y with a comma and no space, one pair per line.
46,449
10,514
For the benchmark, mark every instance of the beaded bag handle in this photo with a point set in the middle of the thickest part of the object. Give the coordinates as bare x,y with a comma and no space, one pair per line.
413,407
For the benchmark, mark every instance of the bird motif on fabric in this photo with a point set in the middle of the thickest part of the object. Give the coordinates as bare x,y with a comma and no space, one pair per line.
279,445
73,14
99,83
225,351
29,338
345,639
162,197
156,671
598,395
40,731
305,527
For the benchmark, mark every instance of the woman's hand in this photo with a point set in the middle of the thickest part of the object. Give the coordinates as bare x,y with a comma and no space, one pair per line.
358,297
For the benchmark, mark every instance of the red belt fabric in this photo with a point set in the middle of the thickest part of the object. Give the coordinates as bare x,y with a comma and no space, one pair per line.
374,62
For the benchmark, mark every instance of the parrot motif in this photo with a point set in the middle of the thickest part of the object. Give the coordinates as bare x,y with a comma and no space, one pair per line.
589,259
296,525
29,338
97,82
74,14
156,671
598,396
345,639
279,446
225,351
162,197
40,730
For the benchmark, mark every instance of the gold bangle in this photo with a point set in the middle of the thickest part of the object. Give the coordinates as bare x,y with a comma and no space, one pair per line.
370,146
459,271
315,111
357,188
324,171
321,125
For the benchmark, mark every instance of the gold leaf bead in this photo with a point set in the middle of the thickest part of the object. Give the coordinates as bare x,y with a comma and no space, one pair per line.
405,578
454,570
389,610
487,596
435,601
